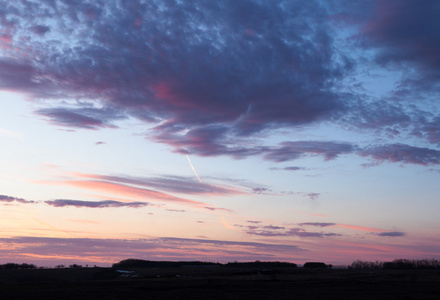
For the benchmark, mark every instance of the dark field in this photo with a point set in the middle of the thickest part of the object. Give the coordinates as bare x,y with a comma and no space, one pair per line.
219,283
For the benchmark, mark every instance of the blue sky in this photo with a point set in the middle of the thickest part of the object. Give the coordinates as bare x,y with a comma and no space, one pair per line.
312,128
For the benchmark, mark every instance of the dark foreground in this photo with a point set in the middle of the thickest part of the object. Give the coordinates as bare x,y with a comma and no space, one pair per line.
218,283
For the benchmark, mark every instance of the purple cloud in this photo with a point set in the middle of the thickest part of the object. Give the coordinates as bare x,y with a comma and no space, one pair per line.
176,210
9,199
254,222
317,224
87,118
39,29
391,233
108,251
272,227
216,72
271,231
403,154
223,80
405,32
293,150
178,184
94,204
260,190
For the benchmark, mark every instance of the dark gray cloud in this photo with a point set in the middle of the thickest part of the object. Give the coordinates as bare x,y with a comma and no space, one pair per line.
94,204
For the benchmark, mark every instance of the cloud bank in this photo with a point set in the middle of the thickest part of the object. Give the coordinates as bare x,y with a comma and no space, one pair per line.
229,73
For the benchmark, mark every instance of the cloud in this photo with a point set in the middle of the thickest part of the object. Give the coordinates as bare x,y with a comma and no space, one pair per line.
402,153
130,191
293,150
260,190
217,72
39,29
230,74
293,168
391,233
176,184
290,232
318,224
217,208
94,204
361,228
272,227
87,118
176,210
311,196
107,251
9,199
17,76
273,230
428,129
405,32
254,222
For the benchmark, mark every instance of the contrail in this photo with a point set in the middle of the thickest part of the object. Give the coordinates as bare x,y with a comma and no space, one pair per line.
193,169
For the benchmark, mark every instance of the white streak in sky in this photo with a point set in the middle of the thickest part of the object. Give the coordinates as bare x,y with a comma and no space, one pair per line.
193,169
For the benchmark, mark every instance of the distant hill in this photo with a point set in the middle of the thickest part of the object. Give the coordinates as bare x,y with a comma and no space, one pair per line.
139,263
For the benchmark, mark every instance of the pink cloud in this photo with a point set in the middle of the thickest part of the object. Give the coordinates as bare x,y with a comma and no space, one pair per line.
129,191
361,228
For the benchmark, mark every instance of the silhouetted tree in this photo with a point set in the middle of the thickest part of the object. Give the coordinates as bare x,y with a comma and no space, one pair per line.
315,265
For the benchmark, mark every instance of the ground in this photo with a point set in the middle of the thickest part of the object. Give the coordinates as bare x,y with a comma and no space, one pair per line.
219,283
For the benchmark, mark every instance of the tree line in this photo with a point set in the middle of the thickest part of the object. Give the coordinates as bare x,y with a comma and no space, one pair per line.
18,266
397,264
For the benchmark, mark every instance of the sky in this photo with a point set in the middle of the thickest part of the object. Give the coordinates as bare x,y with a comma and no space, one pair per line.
219,131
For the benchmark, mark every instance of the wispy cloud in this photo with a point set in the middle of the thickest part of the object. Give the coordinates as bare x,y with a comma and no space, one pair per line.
175,184
318,224
94,204
129,191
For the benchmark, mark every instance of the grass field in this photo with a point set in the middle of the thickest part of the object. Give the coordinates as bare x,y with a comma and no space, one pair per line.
219,283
